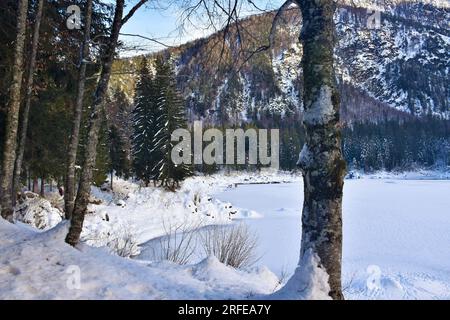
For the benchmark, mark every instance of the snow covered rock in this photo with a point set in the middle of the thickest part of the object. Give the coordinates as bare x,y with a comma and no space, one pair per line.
353,175
114,233
37,212
121,203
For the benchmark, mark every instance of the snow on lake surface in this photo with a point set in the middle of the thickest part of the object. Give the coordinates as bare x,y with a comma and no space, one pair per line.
396,234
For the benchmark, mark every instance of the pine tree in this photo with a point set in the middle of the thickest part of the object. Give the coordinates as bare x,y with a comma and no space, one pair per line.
144,116
172,117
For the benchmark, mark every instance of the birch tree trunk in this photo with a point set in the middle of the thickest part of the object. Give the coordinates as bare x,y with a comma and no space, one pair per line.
28,95
84,189
69,195
12,117
321,159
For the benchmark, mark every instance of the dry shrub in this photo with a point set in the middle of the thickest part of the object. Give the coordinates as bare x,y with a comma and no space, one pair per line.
178,243
233,245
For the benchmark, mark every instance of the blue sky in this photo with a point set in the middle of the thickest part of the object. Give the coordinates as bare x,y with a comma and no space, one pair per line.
163,24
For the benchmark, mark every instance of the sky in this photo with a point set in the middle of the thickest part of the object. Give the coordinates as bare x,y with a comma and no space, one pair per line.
163,24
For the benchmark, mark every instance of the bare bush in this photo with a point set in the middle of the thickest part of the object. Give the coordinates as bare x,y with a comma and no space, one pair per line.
125,246
284,275
234,245
118,237
178,243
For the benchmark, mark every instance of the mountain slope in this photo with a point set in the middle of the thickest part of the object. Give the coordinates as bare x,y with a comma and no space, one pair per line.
399,70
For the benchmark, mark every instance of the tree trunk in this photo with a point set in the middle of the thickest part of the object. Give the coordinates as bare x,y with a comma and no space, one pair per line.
84,189
321,159
42,193
28,95
35,185
112,175
69,195
12,117
29,179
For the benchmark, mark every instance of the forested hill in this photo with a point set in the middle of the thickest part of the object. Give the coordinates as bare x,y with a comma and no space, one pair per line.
400,70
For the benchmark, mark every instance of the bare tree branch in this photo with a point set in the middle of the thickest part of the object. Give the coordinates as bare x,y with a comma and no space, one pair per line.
256,6
234,32
146,38
132,11
276,20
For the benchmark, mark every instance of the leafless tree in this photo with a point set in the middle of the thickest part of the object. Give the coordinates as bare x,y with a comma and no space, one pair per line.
28,96
321,160
90,153
69,190
12,118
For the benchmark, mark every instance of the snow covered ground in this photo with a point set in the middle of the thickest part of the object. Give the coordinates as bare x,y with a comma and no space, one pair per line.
35,262
396,229
396,233
41,266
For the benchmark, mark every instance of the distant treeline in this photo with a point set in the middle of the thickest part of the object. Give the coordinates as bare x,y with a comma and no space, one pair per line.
389,145
392,145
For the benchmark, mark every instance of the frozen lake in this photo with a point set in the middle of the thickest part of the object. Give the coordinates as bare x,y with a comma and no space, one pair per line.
396,233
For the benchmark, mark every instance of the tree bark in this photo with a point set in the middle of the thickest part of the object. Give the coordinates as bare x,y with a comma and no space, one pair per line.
28,95
12,117
35,185
321,159
84,189
69,195
29,178
42,193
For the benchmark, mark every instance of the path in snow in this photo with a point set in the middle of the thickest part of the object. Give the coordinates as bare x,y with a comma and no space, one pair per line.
396,234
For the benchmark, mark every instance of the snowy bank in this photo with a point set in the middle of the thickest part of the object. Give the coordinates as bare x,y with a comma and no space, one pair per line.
40,265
